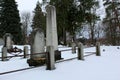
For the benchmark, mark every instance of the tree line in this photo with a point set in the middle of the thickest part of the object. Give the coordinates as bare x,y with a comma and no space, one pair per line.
72,16
112,21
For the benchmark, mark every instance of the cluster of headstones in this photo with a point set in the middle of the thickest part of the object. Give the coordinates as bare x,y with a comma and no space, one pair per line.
38,40
8,46
81,52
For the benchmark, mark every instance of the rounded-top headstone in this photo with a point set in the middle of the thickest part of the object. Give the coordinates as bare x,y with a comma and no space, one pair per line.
8,40
37,42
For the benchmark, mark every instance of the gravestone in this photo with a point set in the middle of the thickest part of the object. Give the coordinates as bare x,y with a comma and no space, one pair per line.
37,47
1,41
4,54
80,51
25,51
73,47
51,36
68,39
8,41
98,52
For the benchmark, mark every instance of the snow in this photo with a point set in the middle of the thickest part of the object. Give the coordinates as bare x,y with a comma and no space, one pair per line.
105,67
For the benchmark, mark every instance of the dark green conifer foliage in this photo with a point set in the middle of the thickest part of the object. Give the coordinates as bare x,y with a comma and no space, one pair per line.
39,20
10,21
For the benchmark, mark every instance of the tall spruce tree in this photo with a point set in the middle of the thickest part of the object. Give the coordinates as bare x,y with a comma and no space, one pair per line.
39,20
10,21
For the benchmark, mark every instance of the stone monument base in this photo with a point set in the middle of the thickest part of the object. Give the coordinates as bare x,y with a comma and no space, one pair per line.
41,61
58,55
36,61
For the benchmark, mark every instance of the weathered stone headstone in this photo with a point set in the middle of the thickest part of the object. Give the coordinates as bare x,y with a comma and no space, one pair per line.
1,41
68,39
8,41
37,47
51,36
25,51
73,47
49,60
4,54
80,51
98,53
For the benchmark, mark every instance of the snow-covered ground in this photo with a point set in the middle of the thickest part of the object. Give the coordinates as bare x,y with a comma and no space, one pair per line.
104,67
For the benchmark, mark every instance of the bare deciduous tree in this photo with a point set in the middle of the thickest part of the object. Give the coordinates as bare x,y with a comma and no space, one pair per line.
26,22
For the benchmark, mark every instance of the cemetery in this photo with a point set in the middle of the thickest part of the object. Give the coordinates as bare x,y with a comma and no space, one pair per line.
39,54
43,53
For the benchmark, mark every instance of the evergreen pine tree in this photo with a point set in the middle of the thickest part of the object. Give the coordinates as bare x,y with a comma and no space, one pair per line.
39,18
10,21
73,18
1,1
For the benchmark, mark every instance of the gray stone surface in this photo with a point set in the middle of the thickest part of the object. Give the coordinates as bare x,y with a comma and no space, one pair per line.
1,41
8,41
38,43
80,51
98,53
73,47
4,54
50,58
51,35
25,51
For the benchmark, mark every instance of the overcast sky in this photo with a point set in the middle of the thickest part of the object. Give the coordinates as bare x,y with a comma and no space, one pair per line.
26,5
29,5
